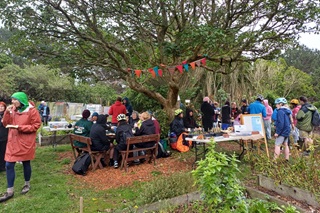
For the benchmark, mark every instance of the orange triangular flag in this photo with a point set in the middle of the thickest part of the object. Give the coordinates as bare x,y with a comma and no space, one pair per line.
193,65
179,67
203,61
138,73
198,63
171,70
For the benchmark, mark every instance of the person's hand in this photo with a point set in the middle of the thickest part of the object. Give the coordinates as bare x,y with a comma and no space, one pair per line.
135,125
276,135
10,108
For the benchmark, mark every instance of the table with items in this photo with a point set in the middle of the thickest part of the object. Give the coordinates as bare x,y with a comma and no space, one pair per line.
199,143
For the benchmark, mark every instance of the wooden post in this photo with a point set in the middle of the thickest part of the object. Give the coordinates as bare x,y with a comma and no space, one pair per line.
81,204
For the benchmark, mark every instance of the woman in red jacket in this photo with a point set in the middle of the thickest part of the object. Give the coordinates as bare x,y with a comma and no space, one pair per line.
23,121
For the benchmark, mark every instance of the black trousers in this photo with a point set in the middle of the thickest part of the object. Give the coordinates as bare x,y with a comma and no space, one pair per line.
3,145
117,149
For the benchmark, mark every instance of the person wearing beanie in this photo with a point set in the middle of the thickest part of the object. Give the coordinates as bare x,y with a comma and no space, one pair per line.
3,137
94,117
82,127
23,120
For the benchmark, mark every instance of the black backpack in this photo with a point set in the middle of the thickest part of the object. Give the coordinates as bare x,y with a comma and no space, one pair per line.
126,134
162,153
82,164
315,119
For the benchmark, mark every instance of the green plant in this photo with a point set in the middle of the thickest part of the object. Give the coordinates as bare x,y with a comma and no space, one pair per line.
166,187
216,176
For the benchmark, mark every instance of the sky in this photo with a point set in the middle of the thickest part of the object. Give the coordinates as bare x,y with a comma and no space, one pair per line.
312,41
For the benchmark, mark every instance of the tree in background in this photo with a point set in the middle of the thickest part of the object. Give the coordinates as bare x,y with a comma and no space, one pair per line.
124,35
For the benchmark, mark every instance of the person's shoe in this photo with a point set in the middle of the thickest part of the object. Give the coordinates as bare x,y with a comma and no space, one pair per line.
111,162
103,162
6,197
25,189
115,165
136,162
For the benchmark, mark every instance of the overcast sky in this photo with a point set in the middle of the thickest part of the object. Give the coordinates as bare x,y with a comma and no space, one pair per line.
312,41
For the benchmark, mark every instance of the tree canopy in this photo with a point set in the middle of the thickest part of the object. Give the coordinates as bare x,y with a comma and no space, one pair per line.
123,35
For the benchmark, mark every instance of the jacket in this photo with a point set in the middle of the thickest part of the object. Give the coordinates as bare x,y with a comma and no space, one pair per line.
294,114
207,115
177,126
269,110
304,117
283,123
3,130
189,121
116,109
98,135
147,128
226,114
123,127
21,145
256,108
128,107
82,127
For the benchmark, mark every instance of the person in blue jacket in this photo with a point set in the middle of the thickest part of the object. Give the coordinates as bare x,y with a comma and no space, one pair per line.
257,107
283,127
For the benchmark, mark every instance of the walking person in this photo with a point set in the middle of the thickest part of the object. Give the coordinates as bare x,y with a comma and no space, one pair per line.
3,137
23,121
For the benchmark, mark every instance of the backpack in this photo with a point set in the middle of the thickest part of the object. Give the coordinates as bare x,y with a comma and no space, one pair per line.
315,118
126,134
82,164
162,152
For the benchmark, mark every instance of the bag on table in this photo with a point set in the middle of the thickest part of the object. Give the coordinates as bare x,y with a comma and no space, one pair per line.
82,164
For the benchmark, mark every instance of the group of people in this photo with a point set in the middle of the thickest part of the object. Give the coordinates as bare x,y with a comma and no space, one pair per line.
294,119
124,122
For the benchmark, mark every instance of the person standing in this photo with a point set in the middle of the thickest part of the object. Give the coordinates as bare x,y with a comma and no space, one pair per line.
128,106
207,114
257,107
304,124
267,119
244,107
23,121
283,128
3,137
295,107
226,116
45,113
116,109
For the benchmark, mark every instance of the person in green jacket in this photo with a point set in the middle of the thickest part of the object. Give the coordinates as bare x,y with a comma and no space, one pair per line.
304,118
83,127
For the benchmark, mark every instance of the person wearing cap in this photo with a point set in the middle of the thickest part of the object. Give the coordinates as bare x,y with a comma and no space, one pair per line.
82,127
123,129
207,114
295,106
3,137
23,120
283,128
257,107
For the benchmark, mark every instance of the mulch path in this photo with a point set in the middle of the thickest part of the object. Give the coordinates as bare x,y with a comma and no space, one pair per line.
109,177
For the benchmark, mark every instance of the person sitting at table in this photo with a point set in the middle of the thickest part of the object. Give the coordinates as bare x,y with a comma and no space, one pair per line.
147,128
82,127
177,127
94,117
99,139
134,118
124,130
189,121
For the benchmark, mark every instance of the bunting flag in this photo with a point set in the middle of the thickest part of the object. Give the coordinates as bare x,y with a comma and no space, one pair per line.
138,73
155,69
179,67
171,70
186,67
193,65
152,72
203,61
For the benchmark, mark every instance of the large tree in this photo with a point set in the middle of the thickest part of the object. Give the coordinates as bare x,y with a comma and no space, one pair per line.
139,34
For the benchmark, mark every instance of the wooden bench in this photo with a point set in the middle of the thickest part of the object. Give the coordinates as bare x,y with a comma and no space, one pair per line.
138,140
96,156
